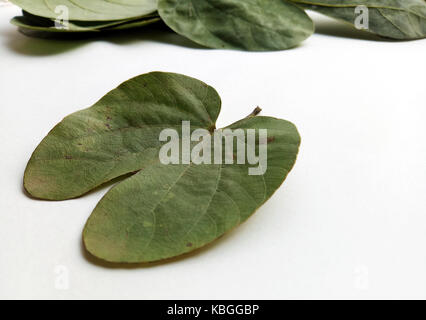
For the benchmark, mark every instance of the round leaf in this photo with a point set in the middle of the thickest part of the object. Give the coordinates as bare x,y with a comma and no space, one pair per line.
255,25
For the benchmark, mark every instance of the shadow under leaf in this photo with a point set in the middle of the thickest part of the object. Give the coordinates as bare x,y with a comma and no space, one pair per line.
31,46
39,43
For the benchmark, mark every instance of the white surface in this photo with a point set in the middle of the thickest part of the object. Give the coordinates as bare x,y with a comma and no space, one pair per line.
349,221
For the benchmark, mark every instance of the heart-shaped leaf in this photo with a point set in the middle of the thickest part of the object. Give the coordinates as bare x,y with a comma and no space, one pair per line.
163,210
234,24
396,19
89,10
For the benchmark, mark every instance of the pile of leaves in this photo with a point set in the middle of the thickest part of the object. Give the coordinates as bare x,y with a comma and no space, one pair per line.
253,25
85,16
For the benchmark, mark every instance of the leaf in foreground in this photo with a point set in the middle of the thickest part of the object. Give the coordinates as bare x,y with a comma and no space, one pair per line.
396,19
163,210
234,24
89,10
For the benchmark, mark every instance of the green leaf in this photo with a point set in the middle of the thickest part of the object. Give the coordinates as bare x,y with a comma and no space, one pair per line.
134,23
89,10
25,23
35,23
163,210
396,19
255,25
115,136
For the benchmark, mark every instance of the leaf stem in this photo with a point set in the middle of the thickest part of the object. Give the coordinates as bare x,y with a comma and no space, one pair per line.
255,112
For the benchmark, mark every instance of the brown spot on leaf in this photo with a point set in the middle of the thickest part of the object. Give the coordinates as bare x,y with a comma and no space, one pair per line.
189,244
68,157
271,139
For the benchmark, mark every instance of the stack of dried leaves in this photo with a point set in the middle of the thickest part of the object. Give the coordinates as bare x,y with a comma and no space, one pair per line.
254,25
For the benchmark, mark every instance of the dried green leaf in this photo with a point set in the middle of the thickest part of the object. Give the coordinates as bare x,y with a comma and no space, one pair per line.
255,25
89,10
396,19
30,22
163,210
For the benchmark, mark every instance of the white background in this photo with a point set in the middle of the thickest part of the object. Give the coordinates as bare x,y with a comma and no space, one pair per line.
349,222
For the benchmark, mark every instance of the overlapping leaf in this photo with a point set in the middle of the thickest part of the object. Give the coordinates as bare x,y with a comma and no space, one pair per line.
396,19
31,22
163,210
89,10
234,24
253,25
